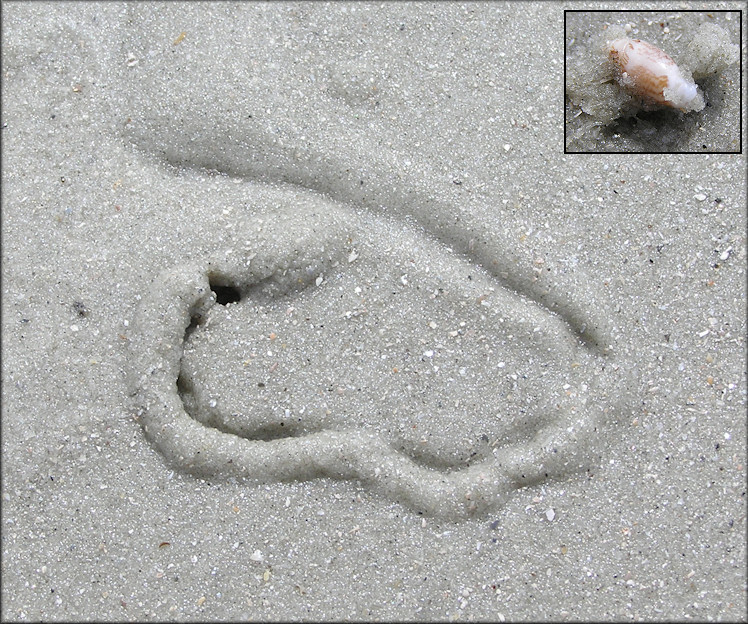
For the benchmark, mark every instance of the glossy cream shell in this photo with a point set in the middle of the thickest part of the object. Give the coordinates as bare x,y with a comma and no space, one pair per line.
648,72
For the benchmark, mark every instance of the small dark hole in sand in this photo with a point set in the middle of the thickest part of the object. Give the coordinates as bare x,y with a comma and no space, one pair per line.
225,294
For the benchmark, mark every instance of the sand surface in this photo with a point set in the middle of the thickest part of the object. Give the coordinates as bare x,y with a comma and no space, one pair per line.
306,315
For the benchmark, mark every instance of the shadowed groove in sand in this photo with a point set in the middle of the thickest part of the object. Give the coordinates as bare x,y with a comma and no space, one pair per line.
179,298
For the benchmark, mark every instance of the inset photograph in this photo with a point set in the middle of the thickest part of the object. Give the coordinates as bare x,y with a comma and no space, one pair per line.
653,82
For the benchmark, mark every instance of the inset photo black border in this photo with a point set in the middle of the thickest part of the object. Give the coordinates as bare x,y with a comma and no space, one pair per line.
653,131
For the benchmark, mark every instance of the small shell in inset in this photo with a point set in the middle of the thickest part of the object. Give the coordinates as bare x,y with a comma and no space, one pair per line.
646,71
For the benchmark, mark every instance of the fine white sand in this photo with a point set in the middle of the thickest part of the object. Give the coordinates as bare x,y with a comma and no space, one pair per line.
467,376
